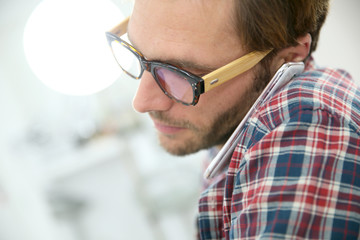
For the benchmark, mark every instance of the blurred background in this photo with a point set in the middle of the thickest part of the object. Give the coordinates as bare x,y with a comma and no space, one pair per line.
71,167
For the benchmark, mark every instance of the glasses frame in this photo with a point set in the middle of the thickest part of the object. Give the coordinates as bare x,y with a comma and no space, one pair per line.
199,85
195,81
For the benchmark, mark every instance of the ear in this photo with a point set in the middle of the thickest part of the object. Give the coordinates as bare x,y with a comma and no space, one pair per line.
299,52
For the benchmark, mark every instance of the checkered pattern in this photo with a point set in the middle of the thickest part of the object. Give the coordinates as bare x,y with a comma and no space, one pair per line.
295,173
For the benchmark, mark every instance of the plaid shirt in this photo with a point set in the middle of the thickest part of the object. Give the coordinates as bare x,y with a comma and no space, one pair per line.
295,173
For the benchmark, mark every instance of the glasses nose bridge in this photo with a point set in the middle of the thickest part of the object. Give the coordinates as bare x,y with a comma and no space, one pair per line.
145,64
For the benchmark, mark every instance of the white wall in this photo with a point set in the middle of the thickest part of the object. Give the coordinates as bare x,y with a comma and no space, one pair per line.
339,42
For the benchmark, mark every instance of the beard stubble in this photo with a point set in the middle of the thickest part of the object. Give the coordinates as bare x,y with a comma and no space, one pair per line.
223,124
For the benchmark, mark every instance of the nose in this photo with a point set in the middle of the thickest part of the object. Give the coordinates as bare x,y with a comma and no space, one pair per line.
149,96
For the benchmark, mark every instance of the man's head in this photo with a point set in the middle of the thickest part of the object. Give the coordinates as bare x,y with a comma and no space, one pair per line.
278,23
203,35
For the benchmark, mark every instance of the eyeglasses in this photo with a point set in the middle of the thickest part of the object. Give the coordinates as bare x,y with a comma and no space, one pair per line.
175,82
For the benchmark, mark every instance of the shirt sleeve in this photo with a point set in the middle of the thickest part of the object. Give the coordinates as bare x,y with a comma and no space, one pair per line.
300,181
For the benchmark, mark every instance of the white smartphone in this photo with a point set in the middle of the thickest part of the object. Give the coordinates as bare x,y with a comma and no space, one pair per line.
285,73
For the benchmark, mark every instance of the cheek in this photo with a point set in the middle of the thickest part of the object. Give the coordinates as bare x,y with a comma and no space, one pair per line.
228,94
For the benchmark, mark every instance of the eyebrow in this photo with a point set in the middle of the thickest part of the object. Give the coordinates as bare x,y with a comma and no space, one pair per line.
182,64
189,65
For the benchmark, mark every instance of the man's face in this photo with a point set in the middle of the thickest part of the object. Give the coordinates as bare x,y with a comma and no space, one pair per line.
198,32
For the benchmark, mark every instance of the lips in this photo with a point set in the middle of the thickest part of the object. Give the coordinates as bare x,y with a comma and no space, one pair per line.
167,129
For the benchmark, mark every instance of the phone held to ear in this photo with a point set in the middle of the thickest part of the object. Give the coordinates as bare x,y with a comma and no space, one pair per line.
285,73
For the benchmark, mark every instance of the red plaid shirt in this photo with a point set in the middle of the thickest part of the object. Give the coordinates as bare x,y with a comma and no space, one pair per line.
295,173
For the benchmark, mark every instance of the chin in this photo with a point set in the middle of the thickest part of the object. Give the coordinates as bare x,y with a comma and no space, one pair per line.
179,149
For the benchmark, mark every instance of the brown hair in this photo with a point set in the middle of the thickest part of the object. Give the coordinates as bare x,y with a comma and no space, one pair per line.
276,24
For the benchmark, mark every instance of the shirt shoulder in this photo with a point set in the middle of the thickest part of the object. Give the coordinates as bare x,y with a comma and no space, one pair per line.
301,145
316,89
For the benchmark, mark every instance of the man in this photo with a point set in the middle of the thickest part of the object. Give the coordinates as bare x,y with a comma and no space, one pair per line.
295,172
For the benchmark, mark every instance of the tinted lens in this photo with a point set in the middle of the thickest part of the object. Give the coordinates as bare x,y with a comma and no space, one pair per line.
127,60
175,84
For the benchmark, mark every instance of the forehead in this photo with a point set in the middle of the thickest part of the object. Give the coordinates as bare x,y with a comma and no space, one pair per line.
188,29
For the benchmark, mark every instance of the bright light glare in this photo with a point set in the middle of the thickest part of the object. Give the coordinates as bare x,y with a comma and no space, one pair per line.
65,45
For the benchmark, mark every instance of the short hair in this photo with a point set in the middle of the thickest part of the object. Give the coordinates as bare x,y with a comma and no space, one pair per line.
276,24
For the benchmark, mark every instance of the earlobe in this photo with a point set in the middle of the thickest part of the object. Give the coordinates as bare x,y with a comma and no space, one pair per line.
299,52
